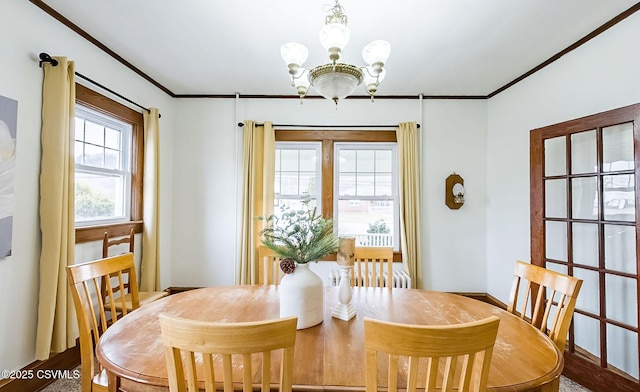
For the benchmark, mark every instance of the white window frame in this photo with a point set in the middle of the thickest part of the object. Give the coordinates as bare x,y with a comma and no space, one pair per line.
88,114
394,185
304,146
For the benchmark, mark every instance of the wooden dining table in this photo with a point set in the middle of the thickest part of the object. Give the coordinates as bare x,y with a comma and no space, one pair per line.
329,356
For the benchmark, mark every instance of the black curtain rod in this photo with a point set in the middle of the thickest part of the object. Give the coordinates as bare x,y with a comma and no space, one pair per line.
329,126
45,58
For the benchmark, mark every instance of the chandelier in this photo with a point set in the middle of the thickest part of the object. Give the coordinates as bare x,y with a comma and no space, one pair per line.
335,80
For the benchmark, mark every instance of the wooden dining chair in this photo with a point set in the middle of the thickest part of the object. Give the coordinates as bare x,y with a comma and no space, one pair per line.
145,297
270,272
550,293
373,267
464,348
216,342
93,314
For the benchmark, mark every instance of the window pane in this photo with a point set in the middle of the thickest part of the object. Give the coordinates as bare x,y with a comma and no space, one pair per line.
289,160
589,298
622,299
365,185
371,222
79,129
308,160
289,183
584,198
587,333
555,155
98,197
308,183
585,243
617,147
347,161
94,133
384,161
93,155
347,185
278,151
384,185
555,198
583,152
619,197
365,161
620,248
622,349
112,139
78,152
556,240
112,159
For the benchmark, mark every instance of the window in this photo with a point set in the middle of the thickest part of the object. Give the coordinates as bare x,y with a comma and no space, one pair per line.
108,167
297,172
102,168
352,175
365,192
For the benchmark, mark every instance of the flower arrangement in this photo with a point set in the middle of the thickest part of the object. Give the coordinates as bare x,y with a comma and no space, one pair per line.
299,235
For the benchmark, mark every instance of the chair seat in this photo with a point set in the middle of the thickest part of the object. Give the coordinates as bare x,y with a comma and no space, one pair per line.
100,382
145,297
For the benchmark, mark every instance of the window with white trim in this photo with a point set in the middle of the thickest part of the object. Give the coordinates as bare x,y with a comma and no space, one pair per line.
298,171
365,192
102,152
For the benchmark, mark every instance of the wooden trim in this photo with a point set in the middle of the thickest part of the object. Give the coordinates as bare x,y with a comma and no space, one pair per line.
606,26
612,22
484,297
174,290
98,102
96,233
57,16
66,360
292,135
592,376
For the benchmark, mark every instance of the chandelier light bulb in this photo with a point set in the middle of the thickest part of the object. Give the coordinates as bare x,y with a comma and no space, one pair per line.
334,37
377,52
294,55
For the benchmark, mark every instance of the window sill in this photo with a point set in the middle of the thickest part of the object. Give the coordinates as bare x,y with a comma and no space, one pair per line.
96,233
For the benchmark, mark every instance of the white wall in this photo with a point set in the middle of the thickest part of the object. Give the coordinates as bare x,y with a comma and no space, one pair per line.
27,31
601,75
208,166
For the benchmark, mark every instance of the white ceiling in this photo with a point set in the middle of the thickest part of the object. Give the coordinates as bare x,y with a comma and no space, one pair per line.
438,47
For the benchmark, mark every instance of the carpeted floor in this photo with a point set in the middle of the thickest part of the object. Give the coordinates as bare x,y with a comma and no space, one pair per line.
73,385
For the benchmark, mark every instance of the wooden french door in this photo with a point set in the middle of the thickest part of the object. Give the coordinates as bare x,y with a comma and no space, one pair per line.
584,222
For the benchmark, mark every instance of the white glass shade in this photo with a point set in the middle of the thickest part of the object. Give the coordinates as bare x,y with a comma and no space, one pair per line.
335,82
294,53
335,35
376,52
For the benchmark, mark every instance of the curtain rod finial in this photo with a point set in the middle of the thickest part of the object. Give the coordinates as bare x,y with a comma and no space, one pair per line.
45,58
241,124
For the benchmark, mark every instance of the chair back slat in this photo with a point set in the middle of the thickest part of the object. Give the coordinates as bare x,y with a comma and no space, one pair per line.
458,356
183,338
269,267
373,267
542,286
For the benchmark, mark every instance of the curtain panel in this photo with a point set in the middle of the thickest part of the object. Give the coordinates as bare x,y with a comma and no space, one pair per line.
409,194
150,266
56,328
258,168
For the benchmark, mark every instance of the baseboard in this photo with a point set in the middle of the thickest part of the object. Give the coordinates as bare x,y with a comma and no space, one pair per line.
175,290
485,297
66,360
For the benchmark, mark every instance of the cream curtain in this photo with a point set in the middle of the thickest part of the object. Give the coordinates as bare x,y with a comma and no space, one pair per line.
410,214
150,268
258,168
56,329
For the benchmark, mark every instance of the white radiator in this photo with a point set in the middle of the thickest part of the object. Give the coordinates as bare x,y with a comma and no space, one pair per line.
400,279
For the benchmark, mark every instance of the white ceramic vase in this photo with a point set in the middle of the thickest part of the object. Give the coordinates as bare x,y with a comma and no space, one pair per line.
302,295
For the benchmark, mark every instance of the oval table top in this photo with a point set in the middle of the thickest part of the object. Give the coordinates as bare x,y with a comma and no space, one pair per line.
329,356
